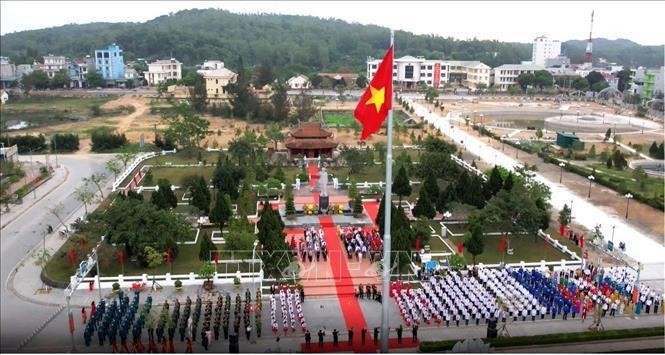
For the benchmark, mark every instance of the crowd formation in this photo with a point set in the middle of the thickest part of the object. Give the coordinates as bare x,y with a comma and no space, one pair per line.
312,246
361,244
291,309
115,320
521,294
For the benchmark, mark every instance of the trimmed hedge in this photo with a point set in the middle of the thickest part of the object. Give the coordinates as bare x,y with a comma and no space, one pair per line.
611,182
432,346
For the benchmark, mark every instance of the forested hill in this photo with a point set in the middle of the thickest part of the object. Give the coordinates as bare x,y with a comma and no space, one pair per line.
297,43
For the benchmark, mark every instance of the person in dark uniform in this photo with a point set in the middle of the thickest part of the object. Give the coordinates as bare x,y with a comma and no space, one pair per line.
321,334
204,340
376,335
414,332
335,337
360,291
351,336
363,334
308,339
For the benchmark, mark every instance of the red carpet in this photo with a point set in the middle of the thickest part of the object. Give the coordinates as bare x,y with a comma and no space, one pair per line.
357,347
372,209
313,174
353,314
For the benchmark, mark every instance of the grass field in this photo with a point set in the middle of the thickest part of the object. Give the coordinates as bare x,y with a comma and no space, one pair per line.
59,267
40,111
653,187
176,175
526,248
341,119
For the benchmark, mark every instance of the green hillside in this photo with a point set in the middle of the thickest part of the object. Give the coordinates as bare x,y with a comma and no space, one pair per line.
289,43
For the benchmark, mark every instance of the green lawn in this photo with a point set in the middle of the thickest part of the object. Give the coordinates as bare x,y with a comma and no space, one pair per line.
654,185
39,111
60,269
183,158
342,118
526,248
176,175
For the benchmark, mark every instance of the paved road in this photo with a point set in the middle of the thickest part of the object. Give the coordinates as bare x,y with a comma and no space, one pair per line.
603,346
642,247
24,230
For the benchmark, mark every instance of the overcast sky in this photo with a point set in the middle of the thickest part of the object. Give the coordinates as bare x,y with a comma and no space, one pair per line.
505,21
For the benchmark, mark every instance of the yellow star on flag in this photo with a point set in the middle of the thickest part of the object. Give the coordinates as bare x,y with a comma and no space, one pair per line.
378,97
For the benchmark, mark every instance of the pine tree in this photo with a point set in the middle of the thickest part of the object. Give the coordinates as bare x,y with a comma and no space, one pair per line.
473,240
290,207
424,206
494,183
508,183
476,197
222,210
431,185
357,206
164,197
206,247
401,185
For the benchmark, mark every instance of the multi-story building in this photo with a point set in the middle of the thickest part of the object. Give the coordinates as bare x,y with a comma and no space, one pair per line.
77,72
53,64
647,82
162,70
7,72
131,74
216,81
543,49
109,63
506,75
470,73
409,71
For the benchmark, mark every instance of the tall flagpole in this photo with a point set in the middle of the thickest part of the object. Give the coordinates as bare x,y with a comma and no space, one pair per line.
387,211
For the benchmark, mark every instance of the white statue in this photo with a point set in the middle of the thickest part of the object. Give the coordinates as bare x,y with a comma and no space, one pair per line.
323,182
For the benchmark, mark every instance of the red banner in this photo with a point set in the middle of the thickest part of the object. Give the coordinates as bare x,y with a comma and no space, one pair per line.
502,245
215,256
121,257
460,246
72,256
71,322
169,255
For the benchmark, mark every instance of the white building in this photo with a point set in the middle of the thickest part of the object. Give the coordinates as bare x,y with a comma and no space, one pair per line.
543,49
409,71
299,82
506,75
53,64
162,70
212,65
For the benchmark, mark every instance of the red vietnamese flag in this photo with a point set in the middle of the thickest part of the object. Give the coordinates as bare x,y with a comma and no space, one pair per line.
373,106
460,246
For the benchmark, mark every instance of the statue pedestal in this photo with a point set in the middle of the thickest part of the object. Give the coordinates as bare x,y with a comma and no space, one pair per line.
324,203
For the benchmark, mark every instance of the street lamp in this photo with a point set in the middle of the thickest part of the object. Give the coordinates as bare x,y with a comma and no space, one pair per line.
591,179
628,196
517,150
256,242
562,164
99,276
613,234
